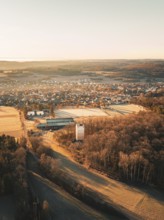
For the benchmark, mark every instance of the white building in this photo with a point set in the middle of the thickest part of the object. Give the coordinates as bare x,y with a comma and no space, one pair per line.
30,113
40,113
35,113
79,132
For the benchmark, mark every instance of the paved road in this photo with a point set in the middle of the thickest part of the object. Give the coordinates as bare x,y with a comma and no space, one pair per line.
7,208
62,205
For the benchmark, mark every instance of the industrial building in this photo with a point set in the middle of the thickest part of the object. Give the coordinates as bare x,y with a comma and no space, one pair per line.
79,132
55,123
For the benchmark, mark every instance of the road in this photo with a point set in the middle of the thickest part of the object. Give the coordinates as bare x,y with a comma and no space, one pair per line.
25,132
62,205
129,199
7,207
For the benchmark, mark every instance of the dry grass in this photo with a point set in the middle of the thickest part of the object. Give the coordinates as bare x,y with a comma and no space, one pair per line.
30,125
123,109
10,122
114,110
79,112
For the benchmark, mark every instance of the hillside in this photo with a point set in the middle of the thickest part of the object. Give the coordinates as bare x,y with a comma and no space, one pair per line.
129,69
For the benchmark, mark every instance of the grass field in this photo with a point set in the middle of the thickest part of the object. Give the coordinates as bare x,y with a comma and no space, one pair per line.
79,112
123,109
10,122
114,110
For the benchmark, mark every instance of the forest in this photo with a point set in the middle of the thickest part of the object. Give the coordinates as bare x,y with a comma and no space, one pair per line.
13,175
128,148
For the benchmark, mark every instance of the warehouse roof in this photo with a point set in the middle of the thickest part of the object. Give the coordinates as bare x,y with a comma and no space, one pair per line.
50,123
56,120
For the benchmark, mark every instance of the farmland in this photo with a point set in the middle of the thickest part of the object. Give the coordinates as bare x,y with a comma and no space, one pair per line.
10,122
113,110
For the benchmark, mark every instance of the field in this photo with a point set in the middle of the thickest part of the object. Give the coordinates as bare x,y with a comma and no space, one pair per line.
123,109
114,110
79,112
10,122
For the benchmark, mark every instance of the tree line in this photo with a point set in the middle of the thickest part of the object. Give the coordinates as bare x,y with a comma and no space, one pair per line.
13,175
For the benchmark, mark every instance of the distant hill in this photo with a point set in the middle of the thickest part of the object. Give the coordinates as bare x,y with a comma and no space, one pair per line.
108,68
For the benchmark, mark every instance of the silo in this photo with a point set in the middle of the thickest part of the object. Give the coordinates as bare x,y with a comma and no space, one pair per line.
79,132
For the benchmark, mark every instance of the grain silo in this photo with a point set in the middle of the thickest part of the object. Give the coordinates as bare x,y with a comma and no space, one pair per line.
79,132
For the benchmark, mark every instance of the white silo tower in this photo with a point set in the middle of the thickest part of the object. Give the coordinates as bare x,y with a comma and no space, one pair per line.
79,132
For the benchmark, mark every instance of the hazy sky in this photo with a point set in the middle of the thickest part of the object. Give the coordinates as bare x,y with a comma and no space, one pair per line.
81,29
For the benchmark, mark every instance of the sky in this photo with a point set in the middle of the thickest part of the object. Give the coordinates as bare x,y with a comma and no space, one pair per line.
81,29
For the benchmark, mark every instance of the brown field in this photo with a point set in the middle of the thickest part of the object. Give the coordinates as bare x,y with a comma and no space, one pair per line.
10,122
123,109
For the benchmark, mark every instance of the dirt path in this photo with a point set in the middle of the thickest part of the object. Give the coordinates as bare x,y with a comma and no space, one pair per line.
137,201
25,132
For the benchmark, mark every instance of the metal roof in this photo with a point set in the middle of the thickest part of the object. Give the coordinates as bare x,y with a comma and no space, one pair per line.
61,120
55,124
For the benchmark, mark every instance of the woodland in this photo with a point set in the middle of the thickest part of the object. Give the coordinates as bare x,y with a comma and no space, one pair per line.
13,175
128,148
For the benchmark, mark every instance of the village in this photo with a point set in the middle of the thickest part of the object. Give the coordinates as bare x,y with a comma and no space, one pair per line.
78,93
51,105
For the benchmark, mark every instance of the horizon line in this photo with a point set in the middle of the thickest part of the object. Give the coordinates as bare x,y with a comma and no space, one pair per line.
69,60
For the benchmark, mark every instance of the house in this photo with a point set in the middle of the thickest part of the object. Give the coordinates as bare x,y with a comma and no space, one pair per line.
39,113
31,114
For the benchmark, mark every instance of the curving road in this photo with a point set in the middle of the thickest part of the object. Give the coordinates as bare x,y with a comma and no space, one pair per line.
62,205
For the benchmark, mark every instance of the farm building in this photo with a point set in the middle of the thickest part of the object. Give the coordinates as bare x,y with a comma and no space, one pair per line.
55,124
31,114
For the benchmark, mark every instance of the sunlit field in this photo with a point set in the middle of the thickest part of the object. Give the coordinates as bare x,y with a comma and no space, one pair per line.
10,122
